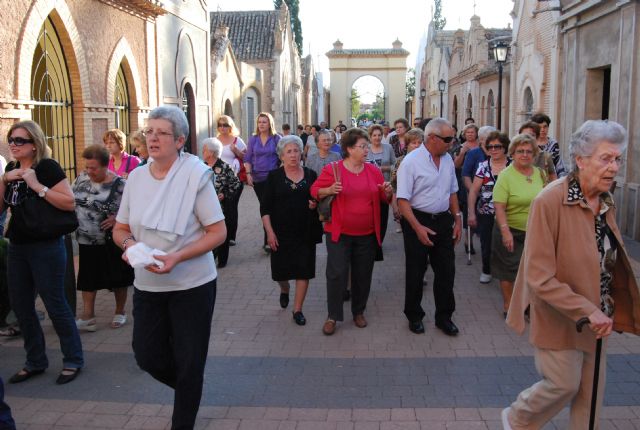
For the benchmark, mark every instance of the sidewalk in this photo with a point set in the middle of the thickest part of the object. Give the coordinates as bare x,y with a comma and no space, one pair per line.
265,372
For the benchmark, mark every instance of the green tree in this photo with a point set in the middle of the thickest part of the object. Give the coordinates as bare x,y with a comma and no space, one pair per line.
377,109
355,102
438,20
296,25
410,84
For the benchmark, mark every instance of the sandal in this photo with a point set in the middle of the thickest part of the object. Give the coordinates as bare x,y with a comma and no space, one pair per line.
118,320
10,331
87,325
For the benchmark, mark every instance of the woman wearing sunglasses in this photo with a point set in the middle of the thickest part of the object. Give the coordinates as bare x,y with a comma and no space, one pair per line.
37,266
513,193
233,150
497,145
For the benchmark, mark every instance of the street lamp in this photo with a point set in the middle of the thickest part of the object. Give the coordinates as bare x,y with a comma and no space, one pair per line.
442,85
500,51
423,94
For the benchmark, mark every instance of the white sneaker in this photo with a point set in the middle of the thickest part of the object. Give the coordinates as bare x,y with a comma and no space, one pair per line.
87,325
485,278
505,420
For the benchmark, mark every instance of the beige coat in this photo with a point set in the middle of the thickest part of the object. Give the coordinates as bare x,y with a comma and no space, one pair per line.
559,274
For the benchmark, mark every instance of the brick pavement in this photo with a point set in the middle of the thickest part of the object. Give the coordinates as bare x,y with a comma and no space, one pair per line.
265,372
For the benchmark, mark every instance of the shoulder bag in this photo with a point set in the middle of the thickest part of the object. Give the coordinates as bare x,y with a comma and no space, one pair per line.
324,206
42,220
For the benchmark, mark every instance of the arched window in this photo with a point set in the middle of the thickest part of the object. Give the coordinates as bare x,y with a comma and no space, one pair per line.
52,99
528,104
189,109
455,111
228,109
483,114
469,111
252,100
123,104
491,109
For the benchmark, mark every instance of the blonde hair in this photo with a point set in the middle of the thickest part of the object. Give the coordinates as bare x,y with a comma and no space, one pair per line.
227,119
272,127
137,136
39,140
415,134
523,139
117,135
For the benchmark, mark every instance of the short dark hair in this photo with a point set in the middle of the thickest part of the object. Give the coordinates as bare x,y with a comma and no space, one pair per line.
533,126
373,127
96,152
316,126
469,119
540,118
424,122
500,137
349,138
286,127
300,127
403,121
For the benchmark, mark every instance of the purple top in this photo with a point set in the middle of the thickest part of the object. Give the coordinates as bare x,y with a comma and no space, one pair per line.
263,158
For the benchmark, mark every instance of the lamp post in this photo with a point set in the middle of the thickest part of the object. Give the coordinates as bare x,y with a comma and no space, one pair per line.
423,94
500,51
442,85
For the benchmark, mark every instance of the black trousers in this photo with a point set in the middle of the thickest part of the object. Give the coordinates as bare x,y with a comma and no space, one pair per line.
222,251
442,259
384,220
170,341
259,188
231,214
357,253
485,228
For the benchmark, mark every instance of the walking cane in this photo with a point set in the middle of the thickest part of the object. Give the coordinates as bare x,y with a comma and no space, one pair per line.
469,246
596,374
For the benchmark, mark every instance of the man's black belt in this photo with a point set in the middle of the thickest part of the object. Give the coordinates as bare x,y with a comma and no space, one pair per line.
428,215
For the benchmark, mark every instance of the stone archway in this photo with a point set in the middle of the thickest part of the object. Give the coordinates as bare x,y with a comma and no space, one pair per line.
348,65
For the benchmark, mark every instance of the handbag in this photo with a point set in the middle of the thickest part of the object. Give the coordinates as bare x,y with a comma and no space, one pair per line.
43,221
324,206
242,173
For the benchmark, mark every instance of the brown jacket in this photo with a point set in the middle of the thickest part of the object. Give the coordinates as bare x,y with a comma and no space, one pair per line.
559,274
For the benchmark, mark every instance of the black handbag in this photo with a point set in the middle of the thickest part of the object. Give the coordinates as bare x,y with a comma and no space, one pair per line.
324,205
42,220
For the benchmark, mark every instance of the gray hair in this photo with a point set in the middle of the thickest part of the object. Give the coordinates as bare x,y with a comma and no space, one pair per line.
288,140
484,131
175,116
435,126
584,141
214,145
324,131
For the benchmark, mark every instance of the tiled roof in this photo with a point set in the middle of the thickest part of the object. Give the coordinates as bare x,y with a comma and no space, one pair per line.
251,32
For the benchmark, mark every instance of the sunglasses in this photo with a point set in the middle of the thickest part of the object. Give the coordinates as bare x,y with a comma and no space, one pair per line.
490,147
447,139
19,141
224,125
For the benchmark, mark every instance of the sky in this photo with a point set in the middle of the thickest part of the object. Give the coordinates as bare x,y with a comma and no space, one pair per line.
375,23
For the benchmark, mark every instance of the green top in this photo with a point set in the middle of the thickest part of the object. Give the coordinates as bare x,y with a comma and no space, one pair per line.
513,189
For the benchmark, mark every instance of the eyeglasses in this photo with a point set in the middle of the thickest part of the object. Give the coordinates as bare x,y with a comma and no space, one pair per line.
363,147
447,139
524,151
224,125
606,160
490,147
148,132
19,141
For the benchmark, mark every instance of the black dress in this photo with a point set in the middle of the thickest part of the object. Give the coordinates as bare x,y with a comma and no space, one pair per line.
297,227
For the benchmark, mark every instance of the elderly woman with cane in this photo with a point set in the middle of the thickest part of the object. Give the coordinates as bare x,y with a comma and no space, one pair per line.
168,222
574,266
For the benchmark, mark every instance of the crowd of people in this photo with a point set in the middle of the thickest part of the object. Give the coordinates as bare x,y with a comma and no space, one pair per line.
163,221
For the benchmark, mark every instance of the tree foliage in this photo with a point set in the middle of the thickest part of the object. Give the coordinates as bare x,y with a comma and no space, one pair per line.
377,108
355,102
438,20
296,25
410,84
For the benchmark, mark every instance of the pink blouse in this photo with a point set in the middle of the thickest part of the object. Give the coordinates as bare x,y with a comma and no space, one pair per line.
127,164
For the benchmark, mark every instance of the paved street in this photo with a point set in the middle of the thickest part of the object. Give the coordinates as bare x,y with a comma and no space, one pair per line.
265,372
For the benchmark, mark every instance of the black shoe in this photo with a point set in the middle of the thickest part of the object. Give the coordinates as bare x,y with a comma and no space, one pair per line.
299,318
21,377
284,300
466,249
232,242
448,327
346,295
416,327
65,379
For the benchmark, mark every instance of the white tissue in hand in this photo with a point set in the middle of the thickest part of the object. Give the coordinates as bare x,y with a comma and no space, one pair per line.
141,255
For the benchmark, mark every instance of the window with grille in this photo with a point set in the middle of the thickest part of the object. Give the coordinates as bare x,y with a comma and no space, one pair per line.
52,98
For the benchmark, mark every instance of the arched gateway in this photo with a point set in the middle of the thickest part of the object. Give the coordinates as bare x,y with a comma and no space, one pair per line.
347,65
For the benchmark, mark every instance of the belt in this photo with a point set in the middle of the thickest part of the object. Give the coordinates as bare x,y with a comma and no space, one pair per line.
429,215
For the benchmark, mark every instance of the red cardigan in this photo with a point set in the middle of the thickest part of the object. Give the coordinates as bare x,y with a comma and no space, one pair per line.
374,178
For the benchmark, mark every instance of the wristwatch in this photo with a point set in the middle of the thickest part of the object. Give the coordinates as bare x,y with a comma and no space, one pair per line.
43,192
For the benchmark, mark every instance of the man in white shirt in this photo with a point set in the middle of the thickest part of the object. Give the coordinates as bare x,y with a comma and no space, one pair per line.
431,224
